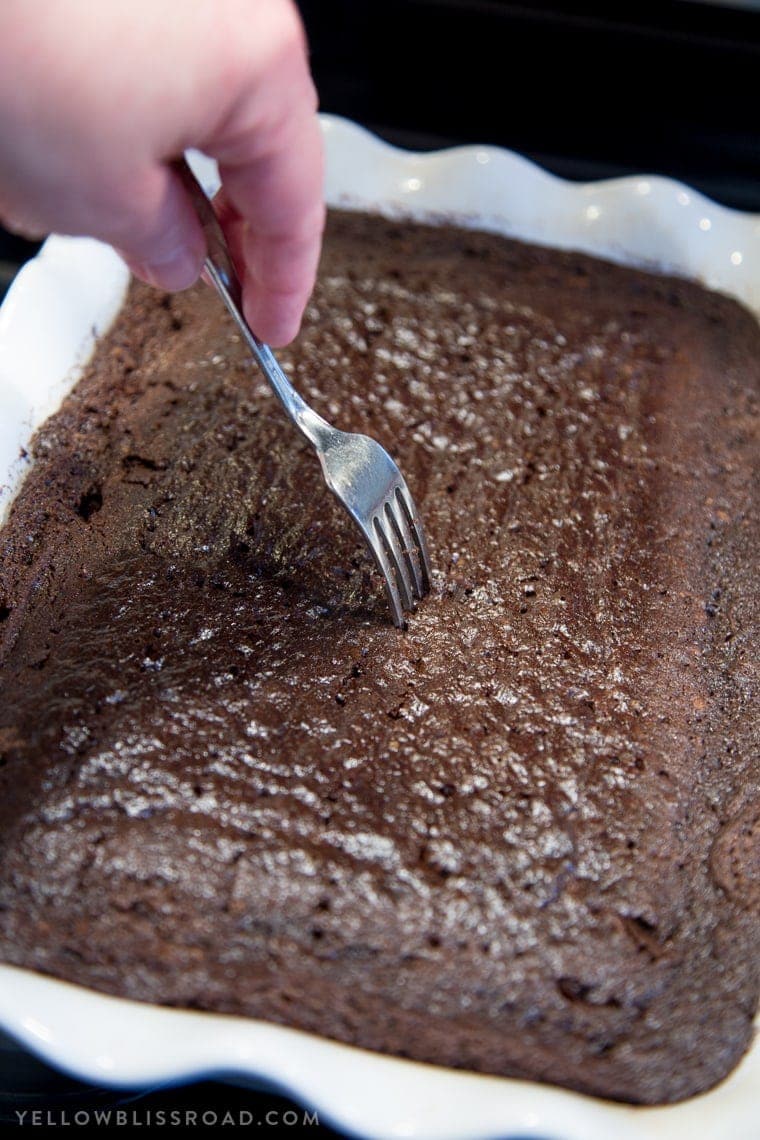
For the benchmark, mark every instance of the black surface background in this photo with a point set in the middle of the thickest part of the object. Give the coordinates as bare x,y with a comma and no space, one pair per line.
588,90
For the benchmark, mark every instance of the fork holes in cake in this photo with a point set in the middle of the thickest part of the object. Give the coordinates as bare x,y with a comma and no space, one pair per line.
89,503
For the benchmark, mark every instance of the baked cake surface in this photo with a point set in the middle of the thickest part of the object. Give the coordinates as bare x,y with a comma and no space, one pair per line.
521,836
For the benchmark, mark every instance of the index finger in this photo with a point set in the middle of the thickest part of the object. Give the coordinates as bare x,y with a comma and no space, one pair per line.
277,194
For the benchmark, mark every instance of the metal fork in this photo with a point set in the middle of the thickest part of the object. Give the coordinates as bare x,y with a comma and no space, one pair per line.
358,471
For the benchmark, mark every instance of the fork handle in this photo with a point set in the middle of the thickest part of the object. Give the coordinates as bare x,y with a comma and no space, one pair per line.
217,250
221,269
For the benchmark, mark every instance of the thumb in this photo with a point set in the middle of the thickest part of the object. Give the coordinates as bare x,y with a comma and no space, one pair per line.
158,233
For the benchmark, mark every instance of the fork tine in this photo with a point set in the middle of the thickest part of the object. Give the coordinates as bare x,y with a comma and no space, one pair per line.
396,559
418,534
407,545
377,547
400,552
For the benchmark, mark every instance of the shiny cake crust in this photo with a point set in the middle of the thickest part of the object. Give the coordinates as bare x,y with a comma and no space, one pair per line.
521,836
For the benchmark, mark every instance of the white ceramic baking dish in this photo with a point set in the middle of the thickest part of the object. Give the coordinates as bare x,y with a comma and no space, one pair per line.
49,322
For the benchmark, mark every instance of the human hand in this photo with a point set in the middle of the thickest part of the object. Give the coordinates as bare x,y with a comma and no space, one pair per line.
96,100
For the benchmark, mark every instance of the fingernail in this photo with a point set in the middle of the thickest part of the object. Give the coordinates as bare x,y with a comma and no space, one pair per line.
179,271
276,326
283,333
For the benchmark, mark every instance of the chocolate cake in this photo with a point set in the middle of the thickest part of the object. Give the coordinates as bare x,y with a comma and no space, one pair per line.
518,837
